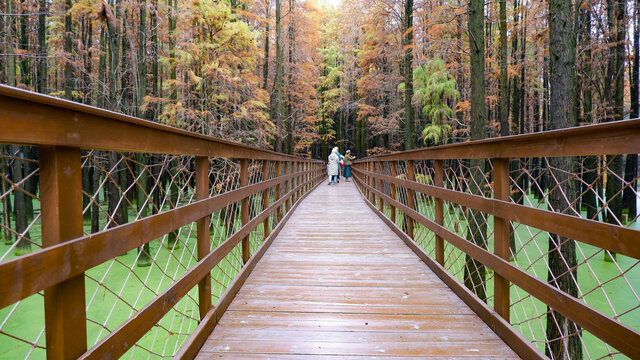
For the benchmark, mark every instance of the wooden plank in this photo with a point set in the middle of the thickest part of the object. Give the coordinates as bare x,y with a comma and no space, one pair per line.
203,234
502,228
61,201
191,347
244,209
355,290
438,180
265,195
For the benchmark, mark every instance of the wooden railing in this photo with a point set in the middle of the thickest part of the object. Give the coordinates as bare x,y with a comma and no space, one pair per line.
62,130
441,201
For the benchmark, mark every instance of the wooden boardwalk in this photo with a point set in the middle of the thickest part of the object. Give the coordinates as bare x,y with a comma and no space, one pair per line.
338,283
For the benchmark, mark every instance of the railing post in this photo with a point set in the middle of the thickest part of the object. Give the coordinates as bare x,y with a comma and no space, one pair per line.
204,245
265,195
278,191
393,192
411,175
501,236
438,180
288,170
380,186
244,206
61,209
370,183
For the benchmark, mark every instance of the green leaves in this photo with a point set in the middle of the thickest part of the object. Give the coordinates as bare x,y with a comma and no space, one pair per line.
435,89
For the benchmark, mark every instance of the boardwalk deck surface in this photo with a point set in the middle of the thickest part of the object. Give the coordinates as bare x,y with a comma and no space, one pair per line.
338,283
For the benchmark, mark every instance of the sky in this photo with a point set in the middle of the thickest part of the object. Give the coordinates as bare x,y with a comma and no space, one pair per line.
334,3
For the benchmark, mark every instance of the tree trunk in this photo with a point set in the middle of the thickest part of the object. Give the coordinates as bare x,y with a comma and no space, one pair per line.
267,30
629,198
277,93
474,271
504,78
41,85
68,49
10,36
407,43
614,183
562,251
142,203
20,199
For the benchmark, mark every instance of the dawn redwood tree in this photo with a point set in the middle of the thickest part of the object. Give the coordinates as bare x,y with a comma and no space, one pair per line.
407,43
563,336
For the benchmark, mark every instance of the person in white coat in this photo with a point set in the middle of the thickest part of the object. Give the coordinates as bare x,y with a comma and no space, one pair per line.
333,168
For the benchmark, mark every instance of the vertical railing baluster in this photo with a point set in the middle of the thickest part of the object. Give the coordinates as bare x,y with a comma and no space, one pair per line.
265,196
61,211
244,206
438,180
393,192
202,229
288,170
278,191
411,175
501,236
379,181
370,183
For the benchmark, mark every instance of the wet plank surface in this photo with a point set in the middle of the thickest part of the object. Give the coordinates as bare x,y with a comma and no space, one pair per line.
337,283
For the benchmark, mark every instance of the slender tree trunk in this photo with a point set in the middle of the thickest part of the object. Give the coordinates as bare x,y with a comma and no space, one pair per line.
6,201
142,60
23,45
277,93
265,66
173,75
562,343
407,43
41,85
68,49
20,200
142,203
10,46
474,271
589,198
631,168
504,78
290,109
614,183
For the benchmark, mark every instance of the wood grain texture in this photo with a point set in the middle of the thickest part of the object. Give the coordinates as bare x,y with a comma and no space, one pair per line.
338,283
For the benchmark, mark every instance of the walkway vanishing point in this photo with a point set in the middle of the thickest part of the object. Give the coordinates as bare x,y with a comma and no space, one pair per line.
338,283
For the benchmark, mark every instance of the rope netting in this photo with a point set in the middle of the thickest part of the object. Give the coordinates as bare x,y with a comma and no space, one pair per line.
595,188
120,188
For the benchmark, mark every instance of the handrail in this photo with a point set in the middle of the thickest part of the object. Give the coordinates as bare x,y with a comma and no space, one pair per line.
380,188
61,128
622,138
612,237
120,340
42,269
37,119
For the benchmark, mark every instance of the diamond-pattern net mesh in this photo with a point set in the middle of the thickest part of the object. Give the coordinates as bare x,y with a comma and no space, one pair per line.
595,187
120,188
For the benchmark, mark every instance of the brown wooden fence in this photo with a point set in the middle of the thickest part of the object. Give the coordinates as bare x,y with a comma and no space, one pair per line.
168,180
510,219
